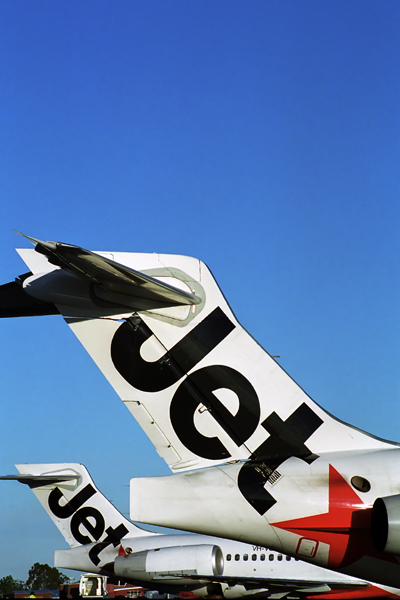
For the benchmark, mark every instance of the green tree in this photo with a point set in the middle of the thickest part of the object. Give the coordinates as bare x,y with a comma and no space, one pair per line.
9,584
44,577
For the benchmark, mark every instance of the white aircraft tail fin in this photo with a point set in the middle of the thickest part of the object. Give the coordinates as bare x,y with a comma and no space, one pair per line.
198,384
80,511
204,391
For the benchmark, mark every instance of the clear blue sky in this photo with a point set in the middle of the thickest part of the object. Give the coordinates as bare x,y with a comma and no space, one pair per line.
262,137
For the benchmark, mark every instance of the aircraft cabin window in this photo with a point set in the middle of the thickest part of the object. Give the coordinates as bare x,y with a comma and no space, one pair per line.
288,557
262,556
228,557
245,557
271,557
237,556
254,557
280,556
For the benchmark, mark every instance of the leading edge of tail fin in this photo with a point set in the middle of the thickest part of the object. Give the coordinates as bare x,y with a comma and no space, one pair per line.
80,511
198,384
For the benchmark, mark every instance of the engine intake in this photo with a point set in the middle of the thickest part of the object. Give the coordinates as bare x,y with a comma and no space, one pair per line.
166,564
385,524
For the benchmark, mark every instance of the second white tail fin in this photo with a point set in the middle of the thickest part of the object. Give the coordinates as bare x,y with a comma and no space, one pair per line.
80,511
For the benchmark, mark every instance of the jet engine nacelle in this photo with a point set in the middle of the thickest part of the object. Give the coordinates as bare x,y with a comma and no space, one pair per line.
165,564
385,524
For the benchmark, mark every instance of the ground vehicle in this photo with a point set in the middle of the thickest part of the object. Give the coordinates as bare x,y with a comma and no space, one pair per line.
97,586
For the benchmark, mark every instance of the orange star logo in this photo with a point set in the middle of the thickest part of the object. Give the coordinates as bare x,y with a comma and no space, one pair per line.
345,527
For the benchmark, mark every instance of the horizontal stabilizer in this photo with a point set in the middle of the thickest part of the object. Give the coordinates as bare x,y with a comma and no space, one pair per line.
14,302
39,480
112,281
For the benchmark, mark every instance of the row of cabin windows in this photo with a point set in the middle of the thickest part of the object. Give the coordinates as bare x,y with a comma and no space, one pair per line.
262,557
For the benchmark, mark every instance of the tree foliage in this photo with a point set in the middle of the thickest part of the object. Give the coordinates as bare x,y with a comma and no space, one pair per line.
41,577
9,584
44,577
